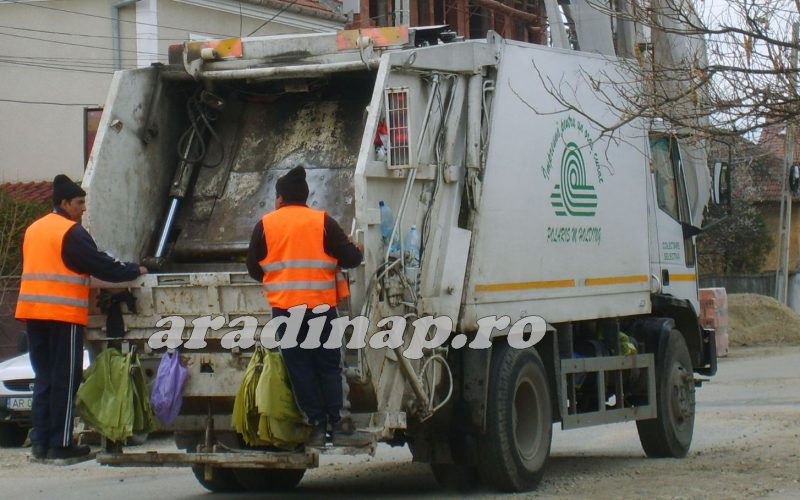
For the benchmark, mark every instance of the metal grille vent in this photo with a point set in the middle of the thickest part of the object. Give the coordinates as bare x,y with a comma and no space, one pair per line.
25,385
397,112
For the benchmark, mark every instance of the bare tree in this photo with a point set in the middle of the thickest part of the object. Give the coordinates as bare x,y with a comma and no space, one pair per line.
740,244
15,216
708,68
748,80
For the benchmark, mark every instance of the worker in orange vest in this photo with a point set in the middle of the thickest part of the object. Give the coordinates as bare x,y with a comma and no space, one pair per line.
58,256
295,252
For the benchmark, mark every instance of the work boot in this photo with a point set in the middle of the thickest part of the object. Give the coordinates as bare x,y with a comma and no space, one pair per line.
318,436
345,434
61,453
39,451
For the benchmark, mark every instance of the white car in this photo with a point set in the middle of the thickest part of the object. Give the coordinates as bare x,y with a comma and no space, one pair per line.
16,395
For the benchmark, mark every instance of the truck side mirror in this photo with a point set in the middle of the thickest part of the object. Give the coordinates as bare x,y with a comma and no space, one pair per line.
690,230
721,184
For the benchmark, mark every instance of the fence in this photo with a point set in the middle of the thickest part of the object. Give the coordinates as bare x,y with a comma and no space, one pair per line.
762,284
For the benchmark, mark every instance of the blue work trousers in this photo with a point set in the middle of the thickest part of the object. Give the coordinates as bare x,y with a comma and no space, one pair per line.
56,352
317,375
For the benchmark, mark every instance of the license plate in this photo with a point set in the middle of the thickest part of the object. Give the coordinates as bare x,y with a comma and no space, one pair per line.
19,404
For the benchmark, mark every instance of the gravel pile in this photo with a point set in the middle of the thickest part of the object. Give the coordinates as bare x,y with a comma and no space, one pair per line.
760,320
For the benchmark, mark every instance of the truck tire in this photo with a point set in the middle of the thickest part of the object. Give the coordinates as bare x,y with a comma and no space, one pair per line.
670,433
268,480
12,435
222,480
519,422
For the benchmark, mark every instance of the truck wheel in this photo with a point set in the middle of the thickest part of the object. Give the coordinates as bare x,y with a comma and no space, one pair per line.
222,480
269,480
519,422
12,435
670,433
457,478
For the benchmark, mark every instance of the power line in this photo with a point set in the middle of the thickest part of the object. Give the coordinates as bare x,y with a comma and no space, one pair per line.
92,36
107,69
13,35
17,2
273,17
68,61
56,68
18,101
55,58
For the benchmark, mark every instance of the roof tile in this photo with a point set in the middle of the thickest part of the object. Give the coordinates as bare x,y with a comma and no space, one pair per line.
772,142
40,192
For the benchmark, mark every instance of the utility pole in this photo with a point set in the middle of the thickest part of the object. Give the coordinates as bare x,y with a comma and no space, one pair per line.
785,225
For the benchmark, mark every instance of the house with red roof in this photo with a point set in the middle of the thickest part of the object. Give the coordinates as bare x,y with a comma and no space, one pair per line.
37,192
757,177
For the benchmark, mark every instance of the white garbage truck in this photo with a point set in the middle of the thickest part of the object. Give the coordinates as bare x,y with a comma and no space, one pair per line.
556,279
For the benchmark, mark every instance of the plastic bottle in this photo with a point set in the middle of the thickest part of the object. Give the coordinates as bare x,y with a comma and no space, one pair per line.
411,247
387,224
411,251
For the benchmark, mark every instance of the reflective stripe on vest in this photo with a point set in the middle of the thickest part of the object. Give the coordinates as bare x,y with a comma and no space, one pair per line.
48,289
301,285
296,264
53,299
297,270
66,278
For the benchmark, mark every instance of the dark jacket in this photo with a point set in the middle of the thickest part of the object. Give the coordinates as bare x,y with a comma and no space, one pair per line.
80,254
335,243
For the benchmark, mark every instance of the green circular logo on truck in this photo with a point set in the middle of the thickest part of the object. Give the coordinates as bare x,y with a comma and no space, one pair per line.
572,195
572,165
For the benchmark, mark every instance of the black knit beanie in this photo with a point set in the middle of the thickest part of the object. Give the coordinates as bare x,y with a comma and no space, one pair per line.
65,189
292,186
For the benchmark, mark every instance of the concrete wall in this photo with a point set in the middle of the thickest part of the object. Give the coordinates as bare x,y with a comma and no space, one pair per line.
38,141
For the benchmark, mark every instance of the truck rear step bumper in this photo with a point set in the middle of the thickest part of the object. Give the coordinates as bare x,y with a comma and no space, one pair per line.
268,460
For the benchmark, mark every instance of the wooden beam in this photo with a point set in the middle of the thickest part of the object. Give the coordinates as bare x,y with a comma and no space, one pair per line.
505,9
462,28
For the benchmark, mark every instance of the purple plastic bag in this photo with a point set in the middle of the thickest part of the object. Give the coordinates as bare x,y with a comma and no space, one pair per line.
166,396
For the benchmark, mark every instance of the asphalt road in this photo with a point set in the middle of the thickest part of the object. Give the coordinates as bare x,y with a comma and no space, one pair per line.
745,444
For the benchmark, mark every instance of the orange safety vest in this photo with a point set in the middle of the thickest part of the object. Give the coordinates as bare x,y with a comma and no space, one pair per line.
48,289
296,269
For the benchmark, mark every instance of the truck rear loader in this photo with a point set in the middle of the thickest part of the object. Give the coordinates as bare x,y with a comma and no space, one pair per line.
557,274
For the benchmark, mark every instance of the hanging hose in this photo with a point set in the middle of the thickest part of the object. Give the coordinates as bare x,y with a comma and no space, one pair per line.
203,109
436,358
